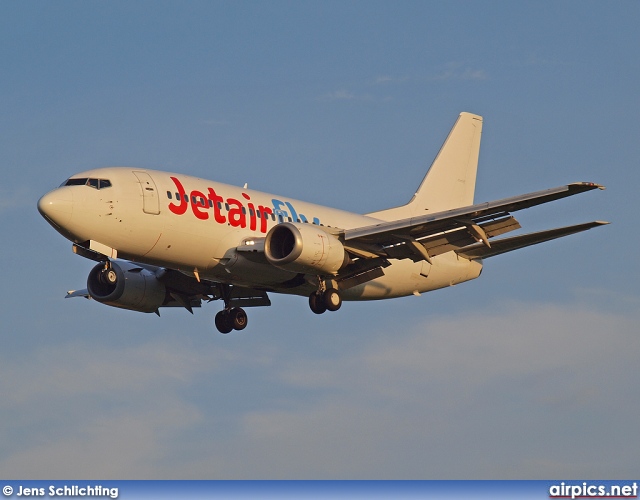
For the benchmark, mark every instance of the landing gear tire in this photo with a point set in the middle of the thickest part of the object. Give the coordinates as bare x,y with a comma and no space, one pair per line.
238,318
231,319
224,322
332,299
316,303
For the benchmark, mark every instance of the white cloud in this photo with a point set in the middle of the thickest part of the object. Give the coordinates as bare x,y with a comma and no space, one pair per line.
451,71
127,444
519,393
525,391
387,79
87,411
215,123
21,197
345,95
460,71
535,59
473,74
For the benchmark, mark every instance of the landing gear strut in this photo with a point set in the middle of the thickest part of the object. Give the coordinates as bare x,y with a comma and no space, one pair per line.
108,275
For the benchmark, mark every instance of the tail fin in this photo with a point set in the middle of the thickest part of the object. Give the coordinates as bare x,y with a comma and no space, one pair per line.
451,180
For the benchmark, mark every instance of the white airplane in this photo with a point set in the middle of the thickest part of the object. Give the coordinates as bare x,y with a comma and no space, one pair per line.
164,239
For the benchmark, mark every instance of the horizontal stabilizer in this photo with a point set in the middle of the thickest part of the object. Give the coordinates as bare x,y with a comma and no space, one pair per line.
481,251
78,293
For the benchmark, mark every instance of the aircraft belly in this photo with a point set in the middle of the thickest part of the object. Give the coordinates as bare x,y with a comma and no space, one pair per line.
450,269
238,267
402,278
405,277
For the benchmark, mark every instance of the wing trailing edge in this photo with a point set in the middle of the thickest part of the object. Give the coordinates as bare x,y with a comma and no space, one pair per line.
482,251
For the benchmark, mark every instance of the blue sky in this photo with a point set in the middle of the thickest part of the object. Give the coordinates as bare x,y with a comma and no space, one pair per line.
528,372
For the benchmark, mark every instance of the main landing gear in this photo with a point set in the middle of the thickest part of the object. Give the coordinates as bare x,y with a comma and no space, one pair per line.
235,318
325,300
231,319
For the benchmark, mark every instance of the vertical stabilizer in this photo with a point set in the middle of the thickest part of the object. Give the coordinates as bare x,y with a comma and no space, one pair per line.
451,180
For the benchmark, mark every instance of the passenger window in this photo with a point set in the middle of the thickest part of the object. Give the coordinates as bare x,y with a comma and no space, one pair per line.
169,195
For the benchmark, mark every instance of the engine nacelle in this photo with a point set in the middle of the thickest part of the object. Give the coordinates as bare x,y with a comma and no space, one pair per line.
304,248
126,285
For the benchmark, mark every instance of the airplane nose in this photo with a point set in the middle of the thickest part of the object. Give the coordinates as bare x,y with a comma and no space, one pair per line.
57,206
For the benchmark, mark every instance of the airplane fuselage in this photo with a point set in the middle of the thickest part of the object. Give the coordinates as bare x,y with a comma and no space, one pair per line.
198,227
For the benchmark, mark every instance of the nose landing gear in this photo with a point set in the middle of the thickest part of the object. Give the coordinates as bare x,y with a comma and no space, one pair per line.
108,275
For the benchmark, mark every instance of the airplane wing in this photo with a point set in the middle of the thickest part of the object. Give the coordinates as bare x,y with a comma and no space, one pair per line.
188,292
425,236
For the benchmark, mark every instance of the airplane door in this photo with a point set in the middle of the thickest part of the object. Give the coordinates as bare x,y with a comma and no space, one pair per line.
150,201
426,267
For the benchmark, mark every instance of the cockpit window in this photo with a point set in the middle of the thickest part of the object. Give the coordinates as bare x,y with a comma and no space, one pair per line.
94,183
75,182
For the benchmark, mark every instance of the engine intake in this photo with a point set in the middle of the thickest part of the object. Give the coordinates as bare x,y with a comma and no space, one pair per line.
304,248
127,286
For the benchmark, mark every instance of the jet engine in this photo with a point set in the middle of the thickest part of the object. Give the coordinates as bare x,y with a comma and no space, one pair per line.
304,248
126,285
